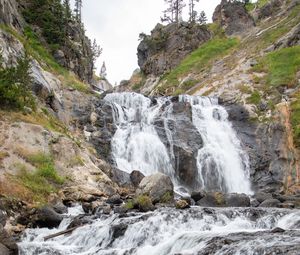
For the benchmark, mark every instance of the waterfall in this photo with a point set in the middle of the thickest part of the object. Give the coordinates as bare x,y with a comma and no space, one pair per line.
221,162
167,231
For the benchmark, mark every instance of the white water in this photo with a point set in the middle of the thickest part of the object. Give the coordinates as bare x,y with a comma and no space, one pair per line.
168,231
222,164
221,157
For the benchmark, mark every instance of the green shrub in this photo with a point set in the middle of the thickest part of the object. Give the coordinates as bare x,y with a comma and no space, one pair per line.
15,85
255,98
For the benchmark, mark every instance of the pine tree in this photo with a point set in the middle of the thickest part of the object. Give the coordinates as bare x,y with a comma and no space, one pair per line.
192,13
77,10
174,11
103,73
202,18
96,51
67,9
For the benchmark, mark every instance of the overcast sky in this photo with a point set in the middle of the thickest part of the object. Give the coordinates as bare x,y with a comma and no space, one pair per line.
116,25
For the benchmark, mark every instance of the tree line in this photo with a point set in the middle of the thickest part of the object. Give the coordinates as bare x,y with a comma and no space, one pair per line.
173,12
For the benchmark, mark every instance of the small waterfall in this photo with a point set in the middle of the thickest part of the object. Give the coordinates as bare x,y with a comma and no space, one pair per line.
136,145
222,164
167,231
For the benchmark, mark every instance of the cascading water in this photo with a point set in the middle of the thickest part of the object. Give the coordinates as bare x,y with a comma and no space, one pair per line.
168,231
222,164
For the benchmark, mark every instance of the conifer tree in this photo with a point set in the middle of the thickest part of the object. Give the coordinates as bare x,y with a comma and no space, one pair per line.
202,18
192,12
174,11
67,9
77,10
96,51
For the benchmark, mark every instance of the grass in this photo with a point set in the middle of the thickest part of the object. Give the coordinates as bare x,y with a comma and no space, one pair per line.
260,3
281,67
255,98
295,120
44,165
38,51
198,61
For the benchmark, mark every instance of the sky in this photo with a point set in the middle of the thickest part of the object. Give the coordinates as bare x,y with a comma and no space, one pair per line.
116,25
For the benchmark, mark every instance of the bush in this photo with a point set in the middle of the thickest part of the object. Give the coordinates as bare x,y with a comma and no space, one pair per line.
15,85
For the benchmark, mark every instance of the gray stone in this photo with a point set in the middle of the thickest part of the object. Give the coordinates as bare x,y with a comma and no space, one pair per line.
156,186
136,177
233,17
237,200
46,217
270,203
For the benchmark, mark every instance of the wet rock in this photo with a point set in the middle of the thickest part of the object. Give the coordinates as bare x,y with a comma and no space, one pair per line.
237,200
60,208
270,203
120,209
156,186
143,203
7,244
212,199
136,177
197,195
118,230
254,203
46,217
182,204
262,196
80,220
277,230
288,205
115,200
233,17
120,177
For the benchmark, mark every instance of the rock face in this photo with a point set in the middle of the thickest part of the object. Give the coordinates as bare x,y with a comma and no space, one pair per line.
233,17
77,54
186,141
270,155
168,45
9,14
157,187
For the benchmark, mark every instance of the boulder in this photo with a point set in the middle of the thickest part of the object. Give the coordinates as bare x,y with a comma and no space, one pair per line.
114,200
270,203
233,17
212,199
136,177
157,187
197,195
237,200
7,244
46,217
182,204
60,208
262,196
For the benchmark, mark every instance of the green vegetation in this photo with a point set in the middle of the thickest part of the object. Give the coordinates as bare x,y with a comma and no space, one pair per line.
255,98
199,60
15,85
295,120
50,16
259,4
281,66
44,166
167,197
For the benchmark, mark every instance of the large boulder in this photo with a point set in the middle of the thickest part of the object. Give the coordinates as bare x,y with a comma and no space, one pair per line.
233,17
168,45
158,187
237,200
7,245
46,217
